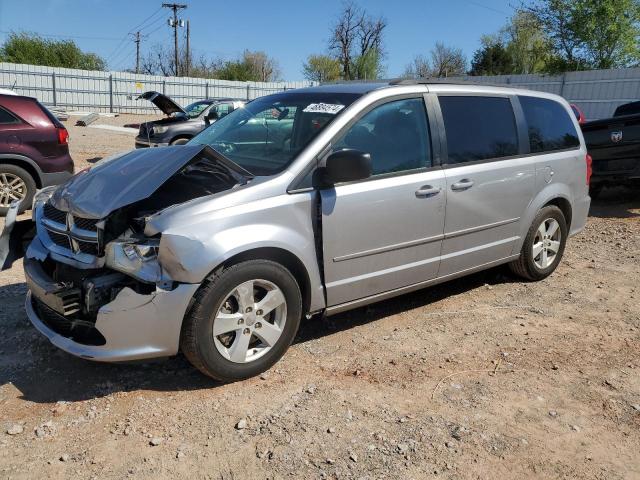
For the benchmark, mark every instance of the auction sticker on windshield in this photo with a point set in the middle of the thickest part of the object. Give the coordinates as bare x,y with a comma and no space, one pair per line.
323,108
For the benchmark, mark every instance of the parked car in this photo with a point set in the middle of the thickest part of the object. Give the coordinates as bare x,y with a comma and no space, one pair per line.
310,201
34,150
181,125
614,145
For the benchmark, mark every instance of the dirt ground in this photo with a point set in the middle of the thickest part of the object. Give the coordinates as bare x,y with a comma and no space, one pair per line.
483,377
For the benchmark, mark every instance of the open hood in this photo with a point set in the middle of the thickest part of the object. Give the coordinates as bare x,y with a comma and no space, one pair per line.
124,180
164,103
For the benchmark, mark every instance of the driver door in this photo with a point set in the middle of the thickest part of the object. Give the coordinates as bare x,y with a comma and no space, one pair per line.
385,232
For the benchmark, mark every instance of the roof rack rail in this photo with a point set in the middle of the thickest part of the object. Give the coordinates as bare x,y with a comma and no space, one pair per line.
446,81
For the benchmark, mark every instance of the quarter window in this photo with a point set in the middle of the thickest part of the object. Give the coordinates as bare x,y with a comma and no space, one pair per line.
396,134
478,128
549,124
6,117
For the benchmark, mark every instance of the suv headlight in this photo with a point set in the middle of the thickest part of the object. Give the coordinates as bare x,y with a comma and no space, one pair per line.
159,129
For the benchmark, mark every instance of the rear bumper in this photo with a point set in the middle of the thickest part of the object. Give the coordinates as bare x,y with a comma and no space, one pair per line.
579,214
56,178
133,326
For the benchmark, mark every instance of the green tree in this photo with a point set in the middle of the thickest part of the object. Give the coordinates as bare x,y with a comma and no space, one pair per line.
34,50
321,68
491,59
527,44
590,33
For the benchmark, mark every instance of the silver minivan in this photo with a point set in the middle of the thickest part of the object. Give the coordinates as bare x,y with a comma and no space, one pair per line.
310,201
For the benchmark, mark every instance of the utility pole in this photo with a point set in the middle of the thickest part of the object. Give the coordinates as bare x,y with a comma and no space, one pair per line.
137,40
175,23
188,61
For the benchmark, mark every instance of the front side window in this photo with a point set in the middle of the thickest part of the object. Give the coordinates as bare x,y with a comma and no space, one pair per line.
223,109
478,128
196,108
268,133
395,134
549,124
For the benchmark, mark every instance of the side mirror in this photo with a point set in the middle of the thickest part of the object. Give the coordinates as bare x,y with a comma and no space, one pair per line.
347,166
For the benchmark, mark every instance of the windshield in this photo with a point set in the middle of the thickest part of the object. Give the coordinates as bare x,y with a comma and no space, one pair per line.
196,108
267,134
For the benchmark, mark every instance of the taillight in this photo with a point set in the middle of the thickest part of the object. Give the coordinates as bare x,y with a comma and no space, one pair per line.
589,161
63,136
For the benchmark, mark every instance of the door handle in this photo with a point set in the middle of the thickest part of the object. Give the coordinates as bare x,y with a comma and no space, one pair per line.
463,184
427,191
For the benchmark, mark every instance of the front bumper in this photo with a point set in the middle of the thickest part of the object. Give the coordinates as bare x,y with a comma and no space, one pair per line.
144,143
134,326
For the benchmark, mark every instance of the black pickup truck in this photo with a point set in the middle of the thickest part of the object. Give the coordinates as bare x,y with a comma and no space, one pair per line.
614,146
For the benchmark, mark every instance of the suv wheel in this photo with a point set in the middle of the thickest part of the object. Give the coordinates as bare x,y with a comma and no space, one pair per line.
242,321
15,184
543,246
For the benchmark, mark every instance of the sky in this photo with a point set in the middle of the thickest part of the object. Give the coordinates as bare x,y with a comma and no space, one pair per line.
287,30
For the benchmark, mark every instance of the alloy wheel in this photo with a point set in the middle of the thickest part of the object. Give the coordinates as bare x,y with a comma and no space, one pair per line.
12,188
250,321
546,243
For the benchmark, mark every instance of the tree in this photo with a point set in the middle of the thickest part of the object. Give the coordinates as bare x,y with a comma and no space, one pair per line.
34,50
527,44
418,68
590,33
357,42
262,67
492,58
321,68
447,61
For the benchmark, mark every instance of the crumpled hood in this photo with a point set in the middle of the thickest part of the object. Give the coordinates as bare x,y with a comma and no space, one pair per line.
122,180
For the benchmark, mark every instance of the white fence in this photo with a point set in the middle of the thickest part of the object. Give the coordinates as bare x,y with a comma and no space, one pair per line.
117,91
596,92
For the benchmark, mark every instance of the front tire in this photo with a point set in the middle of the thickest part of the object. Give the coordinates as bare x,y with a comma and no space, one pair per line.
15,184
180,141
242,321
543,246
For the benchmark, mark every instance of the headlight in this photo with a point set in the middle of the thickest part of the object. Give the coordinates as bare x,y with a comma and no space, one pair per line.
158,129
40,198
139,260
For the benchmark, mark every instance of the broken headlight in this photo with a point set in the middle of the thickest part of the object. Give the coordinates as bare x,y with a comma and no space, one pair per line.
138,259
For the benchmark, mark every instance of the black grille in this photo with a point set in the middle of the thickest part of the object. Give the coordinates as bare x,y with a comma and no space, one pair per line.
85,223
81,331
54,214
88,247
59,239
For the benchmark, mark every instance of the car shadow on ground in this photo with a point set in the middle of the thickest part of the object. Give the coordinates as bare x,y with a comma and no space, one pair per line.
44,374
618,202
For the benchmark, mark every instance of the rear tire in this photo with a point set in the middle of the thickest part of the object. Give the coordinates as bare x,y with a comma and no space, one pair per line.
231,332
180,141
15,183
543,246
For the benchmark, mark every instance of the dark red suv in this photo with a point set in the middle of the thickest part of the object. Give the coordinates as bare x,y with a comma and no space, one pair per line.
34,150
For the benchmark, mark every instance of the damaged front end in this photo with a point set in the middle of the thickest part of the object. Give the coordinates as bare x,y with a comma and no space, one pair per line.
97,286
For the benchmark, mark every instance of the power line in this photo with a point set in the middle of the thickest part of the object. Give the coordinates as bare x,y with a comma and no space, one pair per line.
486,7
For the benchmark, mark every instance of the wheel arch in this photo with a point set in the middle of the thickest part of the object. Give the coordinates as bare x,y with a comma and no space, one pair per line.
565,206
283,257
26,163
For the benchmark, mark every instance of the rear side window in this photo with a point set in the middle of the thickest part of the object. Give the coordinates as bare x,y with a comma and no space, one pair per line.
550,126
478,128
6,117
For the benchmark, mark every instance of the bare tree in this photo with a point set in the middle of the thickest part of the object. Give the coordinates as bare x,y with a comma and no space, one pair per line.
357,36
418,68
266,68
447,61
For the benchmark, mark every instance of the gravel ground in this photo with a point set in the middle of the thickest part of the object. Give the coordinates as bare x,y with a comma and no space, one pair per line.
483,377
